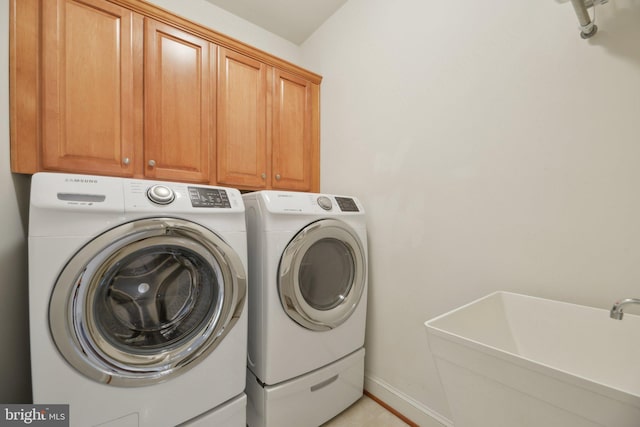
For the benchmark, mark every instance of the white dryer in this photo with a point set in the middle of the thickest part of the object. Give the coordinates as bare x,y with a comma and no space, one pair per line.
307,306
137,294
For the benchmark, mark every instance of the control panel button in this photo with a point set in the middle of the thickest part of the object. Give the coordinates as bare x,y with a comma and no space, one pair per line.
161,194
325,203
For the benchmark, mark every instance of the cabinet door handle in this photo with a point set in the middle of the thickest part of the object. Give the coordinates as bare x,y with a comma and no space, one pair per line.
126,161
278,177
152,163
263,175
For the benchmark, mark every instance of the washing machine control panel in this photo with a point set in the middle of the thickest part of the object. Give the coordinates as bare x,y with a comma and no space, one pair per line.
202,197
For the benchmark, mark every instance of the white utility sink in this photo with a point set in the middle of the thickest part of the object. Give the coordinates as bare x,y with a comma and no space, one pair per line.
509,360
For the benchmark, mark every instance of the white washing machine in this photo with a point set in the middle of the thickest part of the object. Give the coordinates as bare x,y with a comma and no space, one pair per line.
137,293
307,306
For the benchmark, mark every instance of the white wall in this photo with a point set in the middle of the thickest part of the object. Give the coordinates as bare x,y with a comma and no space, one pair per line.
14,321
493,148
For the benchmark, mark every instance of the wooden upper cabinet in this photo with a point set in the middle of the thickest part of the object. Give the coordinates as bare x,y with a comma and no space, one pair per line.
241,122
267,127
293,147
88,68
179,103
125,88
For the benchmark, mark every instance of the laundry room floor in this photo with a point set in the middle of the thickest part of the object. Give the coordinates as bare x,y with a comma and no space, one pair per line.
365,413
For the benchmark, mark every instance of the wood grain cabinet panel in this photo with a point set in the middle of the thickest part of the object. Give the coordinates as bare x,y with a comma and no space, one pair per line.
242,121
179,109
292,145
88,87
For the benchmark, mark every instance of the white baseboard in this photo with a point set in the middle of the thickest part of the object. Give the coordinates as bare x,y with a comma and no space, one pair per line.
407,406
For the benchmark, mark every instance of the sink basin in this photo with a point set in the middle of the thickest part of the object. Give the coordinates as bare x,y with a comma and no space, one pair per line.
509,360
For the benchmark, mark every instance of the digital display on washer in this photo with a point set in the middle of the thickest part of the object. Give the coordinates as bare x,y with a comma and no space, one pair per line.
208,198
347,204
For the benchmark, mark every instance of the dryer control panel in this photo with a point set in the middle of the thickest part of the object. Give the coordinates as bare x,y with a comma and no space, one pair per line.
309,203
346,204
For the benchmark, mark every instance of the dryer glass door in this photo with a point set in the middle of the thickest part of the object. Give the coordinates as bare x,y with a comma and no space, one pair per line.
146,300
322,275
326,273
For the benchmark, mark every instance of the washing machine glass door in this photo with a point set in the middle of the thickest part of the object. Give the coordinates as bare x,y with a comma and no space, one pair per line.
322,275
146,301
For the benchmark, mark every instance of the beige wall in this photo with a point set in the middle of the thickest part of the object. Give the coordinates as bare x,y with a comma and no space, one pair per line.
492,148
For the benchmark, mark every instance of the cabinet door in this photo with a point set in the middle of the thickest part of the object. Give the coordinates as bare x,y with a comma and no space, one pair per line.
294,148
88,68
241,121
179,104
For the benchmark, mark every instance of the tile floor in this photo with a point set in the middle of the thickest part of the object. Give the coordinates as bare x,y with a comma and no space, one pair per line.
365,413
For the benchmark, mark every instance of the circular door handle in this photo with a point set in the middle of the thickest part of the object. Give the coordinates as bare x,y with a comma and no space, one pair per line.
263,175
126,161
151,163
278,177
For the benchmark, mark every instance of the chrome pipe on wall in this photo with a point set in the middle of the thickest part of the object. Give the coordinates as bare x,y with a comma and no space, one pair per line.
587,27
